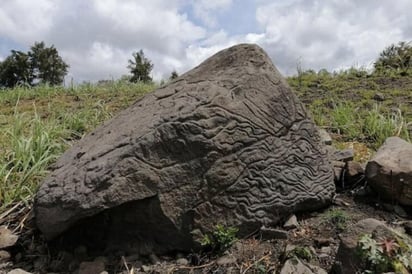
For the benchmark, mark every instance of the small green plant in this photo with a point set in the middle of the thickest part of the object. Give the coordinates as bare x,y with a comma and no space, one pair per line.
385,255
220,239
336,217
301,252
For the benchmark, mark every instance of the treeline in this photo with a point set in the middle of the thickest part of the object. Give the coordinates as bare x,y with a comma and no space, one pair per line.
393,60
43,65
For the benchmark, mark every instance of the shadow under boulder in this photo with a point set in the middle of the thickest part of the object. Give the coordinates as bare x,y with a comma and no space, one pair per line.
137,227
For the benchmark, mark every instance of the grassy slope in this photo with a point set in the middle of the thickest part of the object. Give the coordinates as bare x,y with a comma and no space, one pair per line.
37,125
343,104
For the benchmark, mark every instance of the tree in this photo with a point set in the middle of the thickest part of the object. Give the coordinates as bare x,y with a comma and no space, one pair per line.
173,75
40,65
395,57
15,70
140,67
47,65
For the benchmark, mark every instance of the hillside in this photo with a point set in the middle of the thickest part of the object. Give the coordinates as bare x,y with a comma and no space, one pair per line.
38,124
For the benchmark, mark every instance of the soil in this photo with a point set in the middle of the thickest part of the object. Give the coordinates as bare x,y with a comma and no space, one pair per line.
317,232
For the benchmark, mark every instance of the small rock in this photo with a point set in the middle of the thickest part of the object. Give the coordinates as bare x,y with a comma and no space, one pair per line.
291,223
146,268
378,97
289,248
91,268
325,137
400,211
295,266
354,169
337,172
320,242
7,238
340,202
344,155
104,272
268,233
338,164
132,258
18,271
4,256
326,250
226,260
182,261
154,259
101,259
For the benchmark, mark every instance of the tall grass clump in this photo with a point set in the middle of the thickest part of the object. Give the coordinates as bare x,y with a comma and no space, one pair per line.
345,120
378,126
32,147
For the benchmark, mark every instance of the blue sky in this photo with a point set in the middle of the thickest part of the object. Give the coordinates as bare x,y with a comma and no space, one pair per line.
97,37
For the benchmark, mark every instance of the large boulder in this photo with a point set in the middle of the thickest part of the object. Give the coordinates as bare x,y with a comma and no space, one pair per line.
226,143
389,172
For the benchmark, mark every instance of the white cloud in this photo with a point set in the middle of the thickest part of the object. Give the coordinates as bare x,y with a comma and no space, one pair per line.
25,20
332,34
97,37
206,10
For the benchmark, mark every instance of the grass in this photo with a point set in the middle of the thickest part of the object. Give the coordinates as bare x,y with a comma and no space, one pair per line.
343,104
38,124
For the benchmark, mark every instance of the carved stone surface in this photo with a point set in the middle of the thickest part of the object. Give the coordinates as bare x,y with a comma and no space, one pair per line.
228,142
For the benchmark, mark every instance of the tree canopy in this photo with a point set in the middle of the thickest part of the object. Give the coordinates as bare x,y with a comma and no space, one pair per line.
140,67
395,57
40,65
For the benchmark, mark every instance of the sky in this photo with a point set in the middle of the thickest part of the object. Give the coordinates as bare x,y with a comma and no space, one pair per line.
97,37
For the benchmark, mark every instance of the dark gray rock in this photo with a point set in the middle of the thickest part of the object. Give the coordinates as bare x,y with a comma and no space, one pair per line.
389,172
296,266
291,223
268,233
343,155
228,142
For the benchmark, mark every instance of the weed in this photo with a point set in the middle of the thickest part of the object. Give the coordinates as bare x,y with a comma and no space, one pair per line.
301,252
336,217
386,255
220,239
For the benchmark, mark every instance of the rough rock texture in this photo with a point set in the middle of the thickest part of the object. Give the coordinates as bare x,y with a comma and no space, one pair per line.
228,142
389,172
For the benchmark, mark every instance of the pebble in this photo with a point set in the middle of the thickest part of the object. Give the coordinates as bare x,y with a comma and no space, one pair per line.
226,260
4,256
91,267
7,238
182,261
291,223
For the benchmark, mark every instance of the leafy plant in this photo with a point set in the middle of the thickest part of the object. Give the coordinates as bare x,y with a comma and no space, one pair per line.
220,239
385,255
301,252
